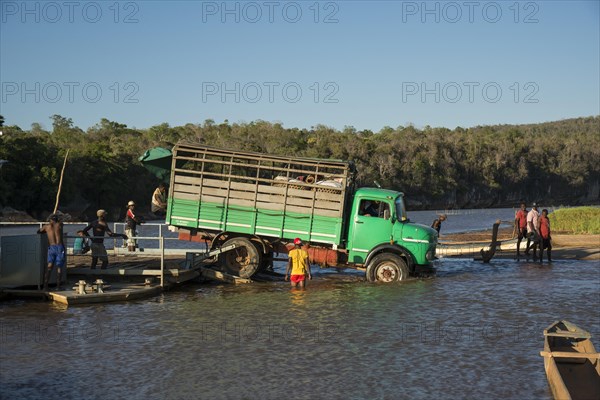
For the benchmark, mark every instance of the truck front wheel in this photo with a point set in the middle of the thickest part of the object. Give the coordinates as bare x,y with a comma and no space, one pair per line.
387,267
242,261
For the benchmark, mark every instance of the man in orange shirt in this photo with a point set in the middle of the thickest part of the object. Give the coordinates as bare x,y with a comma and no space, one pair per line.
298,264
545,234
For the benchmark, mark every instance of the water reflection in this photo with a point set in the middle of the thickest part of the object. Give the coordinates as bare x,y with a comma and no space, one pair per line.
473,331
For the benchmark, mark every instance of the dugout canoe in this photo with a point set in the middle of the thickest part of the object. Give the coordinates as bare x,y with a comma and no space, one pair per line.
571,362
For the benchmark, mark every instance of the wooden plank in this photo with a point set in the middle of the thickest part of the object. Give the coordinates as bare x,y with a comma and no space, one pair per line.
178,187
569,334
329,196
185,196
271,206
210,191
330,201
186,179
568,354
269,189
239,203
224,184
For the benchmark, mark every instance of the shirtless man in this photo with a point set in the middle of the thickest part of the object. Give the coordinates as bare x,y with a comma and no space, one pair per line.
521,227
56,249
437,223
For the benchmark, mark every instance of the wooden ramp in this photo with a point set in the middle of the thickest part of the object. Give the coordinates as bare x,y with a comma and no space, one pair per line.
112,293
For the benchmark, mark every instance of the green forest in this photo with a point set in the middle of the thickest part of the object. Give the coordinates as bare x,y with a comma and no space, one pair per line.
485,166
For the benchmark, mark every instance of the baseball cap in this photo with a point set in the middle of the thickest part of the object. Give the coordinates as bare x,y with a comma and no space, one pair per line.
534,204
131,203
298,241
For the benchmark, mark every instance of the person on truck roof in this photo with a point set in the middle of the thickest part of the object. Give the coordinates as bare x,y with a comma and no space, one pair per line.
159,200
298,264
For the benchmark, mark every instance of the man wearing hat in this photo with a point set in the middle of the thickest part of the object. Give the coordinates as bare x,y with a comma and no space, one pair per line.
131,222
533,226
99,227
56,249
298,264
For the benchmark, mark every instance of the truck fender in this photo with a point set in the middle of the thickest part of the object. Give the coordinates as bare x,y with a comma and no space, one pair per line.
219,239
391,248
222,236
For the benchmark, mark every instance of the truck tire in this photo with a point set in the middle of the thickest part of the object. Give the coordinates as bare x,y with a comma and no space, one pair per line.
243,261
386,268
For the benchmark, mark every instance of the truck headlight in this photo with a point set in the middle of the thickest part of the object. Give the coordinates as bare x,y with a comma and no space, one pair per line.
430,254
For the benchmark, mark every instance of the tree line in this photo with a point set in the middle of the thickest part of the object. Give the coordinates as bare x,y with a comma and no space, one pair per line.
483,166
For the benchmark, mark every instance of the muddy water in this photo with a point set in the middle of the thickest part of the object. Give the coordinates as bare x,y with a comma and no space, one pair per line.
473,331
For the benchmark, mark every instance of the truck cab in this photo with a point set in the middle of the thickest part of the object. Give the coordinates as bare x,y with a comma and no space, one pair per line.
382,238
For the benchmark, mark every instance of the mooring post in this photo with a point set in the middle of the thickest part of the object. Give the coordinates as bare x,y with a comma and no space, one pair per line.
162,260
488,255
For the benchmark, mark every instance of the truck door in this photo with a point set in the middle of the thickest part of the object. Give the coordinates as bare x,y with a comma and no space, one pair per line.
370,228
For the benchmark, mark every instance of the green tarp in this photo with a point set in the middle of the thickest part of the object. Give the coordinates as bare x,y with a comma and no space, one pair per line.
158,161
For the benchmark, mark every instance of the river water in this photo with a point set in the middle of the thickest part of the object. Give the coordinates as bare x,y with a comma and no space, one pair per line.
472,331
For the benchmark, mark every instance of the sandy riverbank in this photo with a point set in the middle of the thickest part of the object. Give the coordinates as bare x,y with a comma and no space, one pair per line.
564,246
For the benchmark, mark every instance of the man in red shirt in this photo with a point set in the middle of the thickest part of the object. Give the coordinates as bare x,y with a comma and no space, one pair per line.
521,226
545,234
131,221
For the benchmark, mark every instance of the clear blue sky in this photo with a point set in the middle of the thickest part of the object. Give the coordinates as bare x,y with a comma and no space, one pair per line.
357,63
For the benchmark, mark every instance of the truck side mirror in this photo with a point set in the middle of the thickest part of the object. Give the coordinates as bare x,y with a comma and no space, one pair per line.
386,214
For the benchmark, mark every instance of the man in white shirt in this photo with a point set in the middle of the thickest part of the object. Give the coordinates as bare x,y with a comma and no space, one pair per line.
533,227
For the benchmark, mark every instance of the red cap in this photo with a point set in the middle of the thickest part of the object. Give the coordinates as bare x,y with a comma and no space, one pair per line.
298,241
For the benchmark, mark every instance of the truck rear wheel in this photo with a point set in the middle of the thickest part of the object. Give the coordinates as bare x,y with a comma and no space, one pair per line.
242,261
387,267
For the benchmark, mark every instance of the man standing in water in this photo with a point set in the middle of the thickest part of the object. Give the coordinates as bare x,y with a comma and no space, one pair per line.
521,226
533,233
298,264
545,236
56,249
99,227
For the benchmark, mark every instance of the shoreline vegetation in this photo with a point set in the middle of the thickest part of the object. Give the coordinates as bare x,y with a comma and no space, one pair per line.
437,168
577,220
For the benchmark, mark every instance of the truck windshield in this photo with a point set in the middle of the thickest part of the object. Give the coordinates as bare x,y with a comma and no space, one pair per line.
400,209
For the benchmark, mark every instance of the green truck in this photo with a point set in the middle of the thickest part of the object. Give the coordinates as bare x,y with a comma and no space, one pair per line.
260,203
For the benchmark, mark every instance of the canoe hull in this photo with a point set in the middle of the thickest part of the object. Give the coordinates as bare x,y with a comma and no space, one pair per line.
576,377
